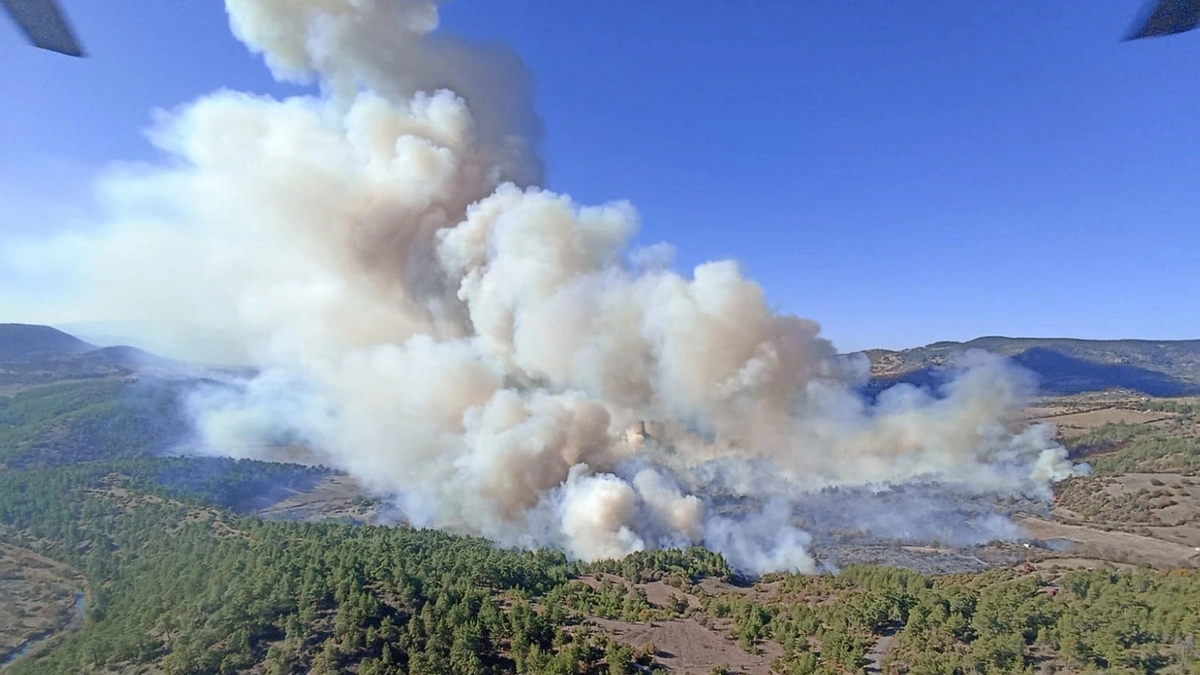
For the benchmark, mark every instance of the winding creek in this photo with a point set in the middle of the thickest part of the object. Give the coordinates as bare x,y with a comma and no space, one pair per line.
35,643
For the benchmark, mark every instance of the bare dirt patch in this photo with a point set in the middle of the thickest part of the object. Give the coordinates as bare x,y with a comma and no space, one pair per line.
685,646
1174,499
760,592
660,594
877,653
1075,416
1162,505
37,599
1087,542
333,498
1073,425
1079,564
596,580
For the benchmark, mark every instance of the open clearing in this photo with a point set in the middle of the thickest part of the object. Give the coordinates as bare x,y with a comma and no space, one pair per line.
685,646
1074,425
1088,542
37,599
878,652
335,497
1161,505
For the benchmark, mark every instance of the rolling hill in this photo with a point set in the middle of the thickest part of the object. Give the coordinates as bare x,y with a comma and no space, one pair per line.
37,355
19,341
63,400
40,355
1063,365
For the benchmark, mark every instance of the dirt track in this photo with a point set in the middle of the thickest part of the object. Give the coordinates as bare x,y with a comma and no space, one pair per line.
1116,546
875,656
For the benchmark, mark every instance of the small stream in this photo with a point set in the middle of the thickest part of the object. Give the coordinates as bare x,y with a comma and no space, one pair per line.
32,644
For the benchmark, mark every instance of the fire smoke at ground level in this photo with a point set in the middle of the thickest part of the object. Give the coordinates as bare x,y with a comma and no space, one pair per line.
492,353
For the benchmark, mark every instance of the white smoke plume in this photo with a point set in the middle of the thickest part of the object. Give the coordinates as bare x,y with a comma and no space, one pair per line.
491,354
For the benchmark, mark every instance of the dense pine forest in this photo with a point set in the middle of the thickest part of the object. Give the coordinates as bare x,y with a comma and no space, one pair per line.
179,582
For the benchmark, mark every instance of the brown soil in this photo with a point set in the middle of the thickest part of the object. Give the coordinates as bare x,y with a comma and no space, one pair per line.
1073,425
878,652
1165,506
1087,542
334,497
1080,564
595,580
685,646
659,594
37,598
761,592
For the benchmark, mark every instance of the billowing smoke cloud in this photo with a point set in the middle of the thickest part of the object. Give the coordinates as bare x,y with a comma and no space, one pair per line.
491,354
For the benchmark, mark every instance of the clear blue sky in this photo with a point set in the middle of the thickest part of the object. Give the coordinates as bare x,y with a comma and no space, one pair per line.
902,172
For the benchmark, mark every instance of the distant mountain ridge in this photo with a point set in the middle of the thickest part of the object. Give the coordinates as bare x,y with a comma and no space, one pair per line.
21,340
1063,365
31,354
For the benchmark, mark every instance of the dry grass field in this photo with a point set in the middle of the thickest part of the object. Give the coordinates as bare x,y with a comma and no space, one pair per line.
37,600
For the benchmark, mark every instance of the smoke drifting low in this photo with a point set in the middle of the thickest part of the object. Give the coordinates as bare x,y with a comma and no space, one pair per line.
493,355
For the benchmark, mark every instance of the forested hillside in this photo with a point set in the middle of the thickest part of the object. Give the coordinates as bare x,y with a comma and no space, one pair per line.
82,421
192,588
177,575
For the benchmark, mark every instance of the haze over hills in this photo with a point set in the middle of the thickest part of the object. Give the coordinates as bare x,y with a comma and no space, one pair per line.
176,340
22,341
1063,365
36,355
